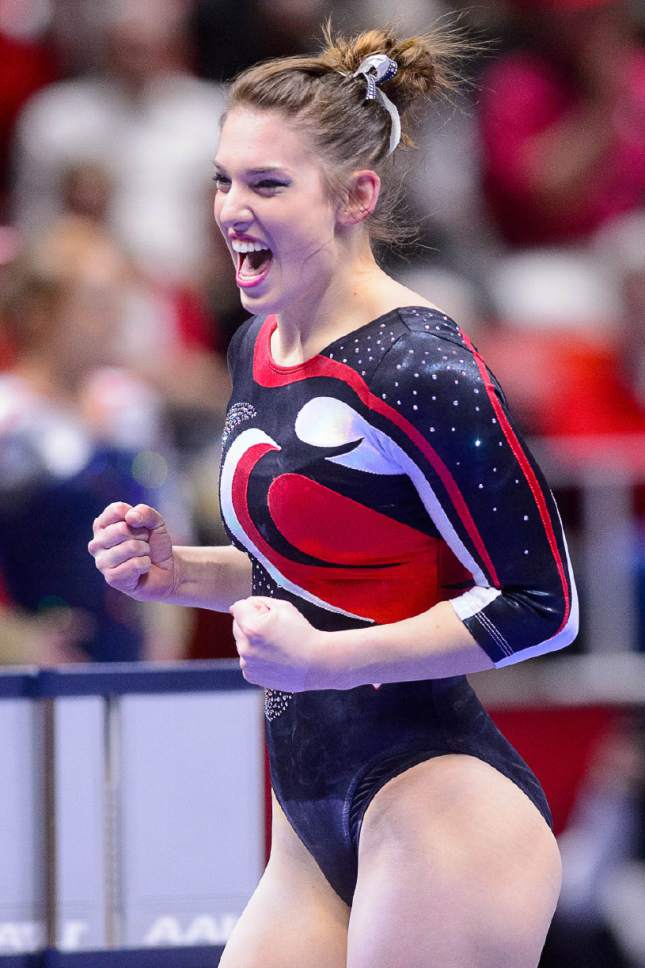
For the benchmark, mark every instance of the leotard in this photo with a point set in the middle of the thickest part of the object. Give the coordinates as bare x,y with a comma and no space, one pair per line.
366,484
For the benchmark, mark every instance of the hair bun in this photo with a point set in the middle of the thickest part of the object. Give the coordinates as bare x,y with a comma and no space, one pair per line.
426,62
347,130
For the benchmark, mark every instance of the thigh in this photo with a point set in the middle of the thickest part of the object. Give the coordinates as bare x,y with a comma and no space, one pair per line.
294,918
457,868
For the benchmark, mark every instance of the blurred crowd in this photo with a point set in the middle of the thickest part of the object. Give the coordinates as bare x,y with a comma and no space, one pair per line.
117,301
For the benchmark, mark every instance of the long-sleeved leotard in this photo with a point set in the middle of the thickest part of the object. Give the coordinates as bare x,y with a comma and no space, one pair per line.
367,484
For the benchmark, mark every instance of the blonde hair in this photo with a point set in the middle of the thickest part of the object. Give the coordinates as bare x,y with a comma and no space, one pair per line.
320,95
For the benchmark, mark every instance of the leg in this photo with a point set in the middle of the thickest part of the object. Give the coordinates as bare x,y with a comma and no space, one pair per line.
457,868
294,918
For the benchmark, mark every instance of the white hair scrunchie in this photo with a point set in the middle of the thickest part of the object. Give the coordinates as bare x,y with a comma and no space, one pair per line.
376,69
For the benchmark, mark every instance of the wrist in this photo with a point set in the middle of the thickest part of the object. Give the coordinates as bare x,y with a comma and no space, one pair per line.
178,573
176,592
339,670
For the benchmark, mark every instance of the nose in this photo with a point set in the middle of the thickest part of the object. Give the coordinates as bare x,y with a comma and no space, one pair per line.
232,208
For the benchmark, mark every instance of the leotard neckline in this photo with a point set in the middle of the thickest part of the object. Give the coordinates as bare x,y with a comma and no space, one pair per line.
271,322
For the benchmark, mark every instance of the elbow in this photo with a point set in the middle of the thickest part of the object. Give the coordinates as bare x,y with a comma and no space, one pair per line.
562,627
570,629
569,625
555,631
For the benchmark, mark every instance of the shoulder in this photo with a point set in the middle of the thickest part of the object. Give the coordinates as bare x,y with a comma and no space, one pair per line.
425,334
429,319
427,351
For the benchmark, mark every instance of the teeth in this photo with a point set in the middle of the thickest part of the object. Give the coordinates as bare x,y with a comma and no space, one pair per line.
238,246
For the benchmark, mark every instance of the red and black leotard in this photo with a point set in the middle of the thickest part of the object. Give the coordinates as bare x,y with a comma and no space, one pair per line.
367,484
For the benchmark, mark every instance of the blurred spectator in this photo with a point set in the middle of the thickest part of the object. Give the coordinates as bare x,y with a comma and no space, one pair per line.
26,64
621,247
75,434
86,190
165,331
568,345
9,248
147,123
567,312
597,922
230,35
446,196
563,123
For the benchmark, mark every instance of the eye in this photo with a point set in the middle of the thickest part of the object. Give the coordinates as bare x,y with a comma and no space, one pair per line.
222,184
270,185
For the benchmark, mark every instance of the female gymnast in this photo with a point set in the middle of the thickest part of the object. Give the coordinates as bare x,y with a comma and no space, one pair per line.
390,533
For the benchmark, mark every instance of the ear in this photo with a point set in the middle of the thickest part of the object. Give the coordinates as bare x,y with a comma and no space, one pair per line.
361,197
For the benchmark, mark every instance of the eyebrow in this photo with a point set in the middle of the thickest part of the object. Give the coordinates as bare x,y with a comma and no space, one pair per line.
255,171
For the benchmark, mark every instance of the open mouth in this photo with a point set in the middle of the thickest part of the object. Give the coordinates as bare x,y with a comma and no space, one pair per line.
253,265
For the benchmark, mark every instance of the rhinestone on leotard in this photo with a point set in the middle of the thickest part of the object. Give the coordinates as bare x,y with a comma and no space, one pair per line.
275,703
237,414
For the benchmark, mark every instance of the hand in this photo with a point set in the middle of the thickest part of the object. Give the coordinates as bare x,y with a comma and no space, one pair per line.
278,647
133,551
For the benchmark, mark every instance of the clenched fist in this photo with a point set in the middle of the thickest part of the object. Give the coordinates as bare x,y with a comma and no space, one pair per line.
133,551
278,647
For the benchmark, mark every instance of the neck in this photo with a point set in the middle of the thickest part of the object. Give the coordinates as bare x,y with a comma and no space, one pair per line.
356,293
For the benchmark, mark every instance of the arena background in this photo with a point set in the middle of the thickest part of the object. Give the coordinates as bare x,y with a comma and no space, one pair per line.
528,189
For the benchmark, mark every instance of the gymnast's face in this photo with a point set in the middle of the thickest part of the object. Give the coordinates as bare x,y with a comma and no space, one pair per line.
275,212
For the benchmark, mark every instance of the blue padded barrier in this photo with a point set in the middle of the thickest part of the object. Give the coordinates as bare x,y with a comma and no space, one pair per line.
113,680
19,682
122,678
206,956
22,961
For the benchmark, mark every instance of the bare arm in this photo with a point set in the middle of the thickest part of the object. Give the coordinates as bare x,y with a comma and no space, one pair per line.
135,554
212,578
432,645
280,649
